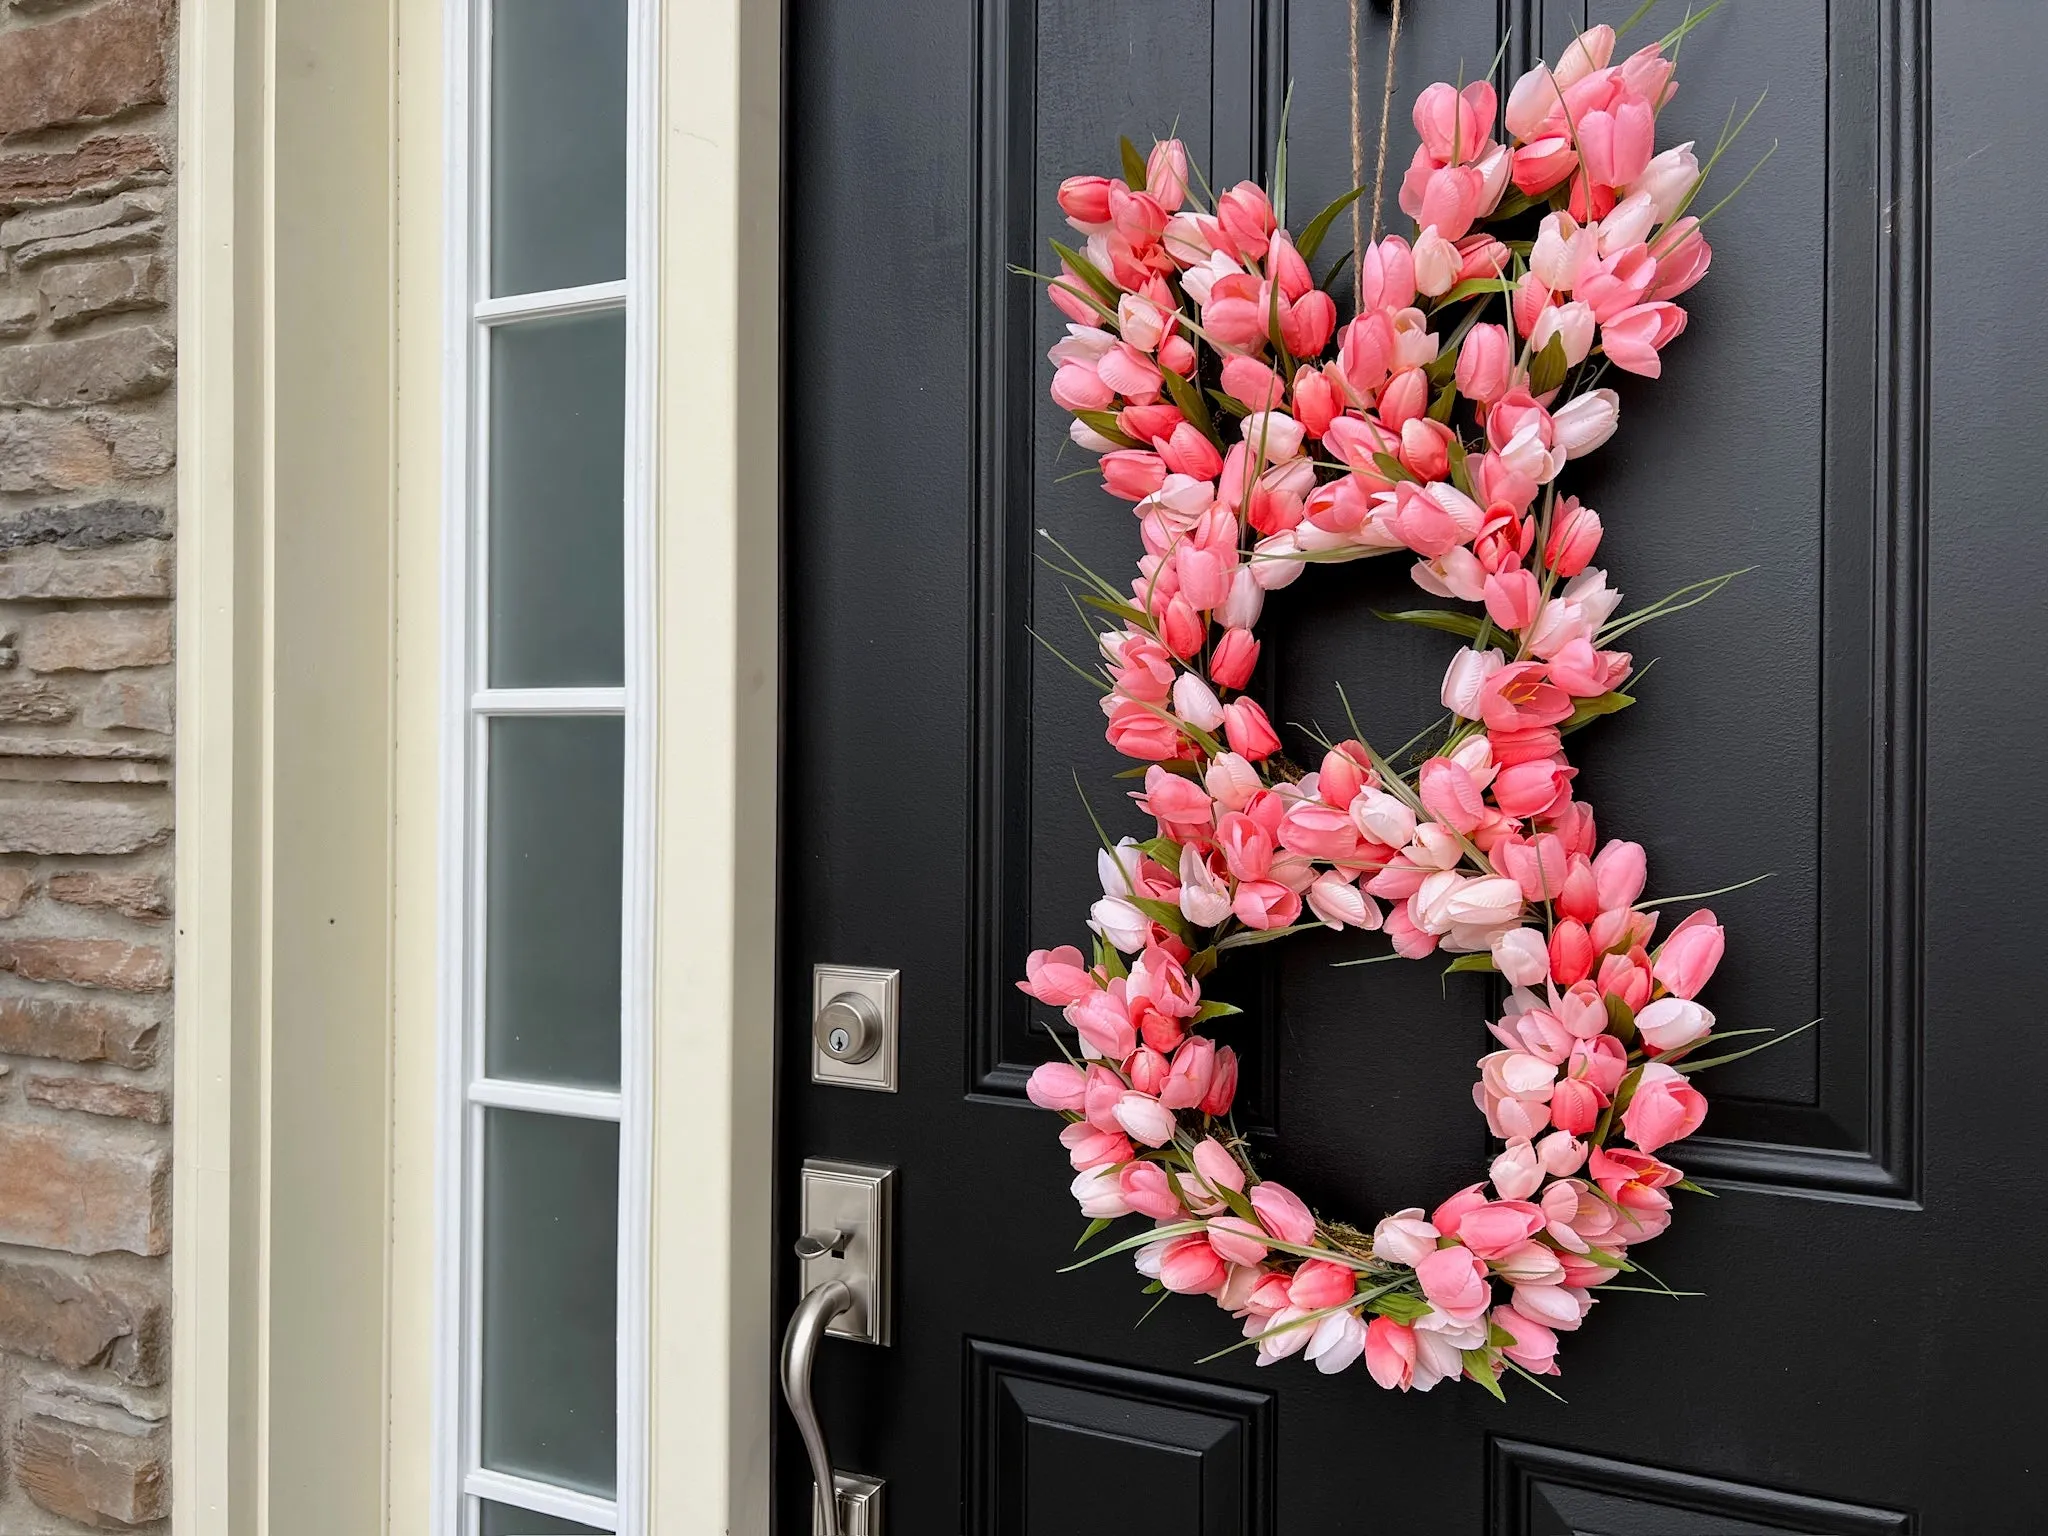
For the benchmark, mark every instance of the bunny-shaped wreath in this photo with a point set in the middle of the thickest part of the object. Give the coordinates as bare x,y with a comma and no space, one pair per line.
1466,383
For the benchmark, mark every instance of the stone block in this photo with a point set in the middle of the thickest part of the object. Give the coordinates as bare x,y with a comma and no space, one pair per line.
83,68
82,1188
96,639
56,1029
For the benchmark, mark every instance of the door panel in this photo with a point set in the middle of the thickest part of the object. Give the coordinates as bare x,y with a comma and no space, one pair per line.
1840,718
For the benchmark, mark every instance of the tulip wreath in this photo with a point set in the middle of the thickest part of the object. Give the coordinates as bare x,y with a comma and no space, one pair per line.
1254,437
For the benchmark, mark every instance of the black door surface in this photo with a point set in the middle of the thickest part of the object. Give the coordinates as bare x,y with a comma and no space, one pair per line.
1855,412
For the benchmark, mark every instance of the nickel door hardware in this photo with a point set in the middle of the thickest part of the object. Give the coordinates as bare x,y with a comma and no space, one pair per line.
844,1254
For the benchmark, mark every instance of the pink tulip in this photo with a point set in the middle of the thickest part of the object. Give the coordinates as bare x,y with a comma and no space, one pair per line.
1633,338
1181,628
1499,1225
1147,1192
1558,1307
1665,1108
1618,874
1166,173
1191,1267
1572,324
1518,698
1687,960
1404,1238
1584,422
1521,956
1100,1194
1246,219
1339,903
1144,1119
1561,1153
1091,1146
1531,1345
1057,1085
1617,144
1436,263
1683,257
1516,1172
1056,976
1085,201
1104,1024
1320,1283
1250,734
1195,703
1456,1283
1177,355
1222,1087
1281,1213
1138,731
1338,1341
1670,1023
1147,1070
1575,1106
1390,1353
1132,474
1485,361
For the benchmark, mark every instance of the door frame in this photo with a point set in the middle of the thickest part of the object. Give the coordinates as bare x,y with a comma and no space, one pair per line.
308,629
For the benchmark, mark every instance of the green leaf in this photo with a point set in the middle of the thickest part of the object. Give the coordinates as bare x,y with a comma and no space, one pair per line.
1449,620
1227,403
1189,399
1215,1008
1163,912
1202,962
1514,203
1401,1307
1477,285
1391,468
1311,239
1106,423
1586,711
1722,1061
1095,1229
1549,368
1089,273
1121,610
1621,1020
1262,935
1471,963
1163,851
1440,407
1696,1189
1134,164
1150,1235
1479,1366
1280,160
1461,475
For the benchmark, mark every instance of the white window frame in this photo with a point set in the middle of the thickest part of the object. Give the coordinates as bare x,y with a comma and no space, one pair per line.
468,707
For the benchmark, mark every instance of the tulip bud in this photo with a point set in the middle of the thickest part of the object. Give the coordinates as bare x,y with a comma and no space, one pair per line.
1574,538
1484,362
1166,173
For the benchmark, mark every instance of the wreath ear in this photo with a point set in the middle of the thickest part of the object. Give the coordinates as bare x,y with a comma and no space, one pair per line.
1254,437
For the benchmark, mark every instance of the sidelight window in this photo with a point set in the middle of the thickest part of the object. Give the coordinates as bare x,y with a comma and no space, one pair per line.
546,805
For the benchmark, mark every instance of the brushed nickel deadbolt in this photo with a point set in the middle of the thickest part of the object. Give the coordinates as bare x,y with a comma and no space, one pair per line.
854,1026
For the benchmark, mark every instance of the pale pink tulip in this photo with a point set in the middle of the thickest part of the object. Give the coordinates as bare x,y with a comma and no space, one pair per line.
1144,1119
1166,173
1281,1213
1057,1085
1338,1342
1455,1282
1687,960
1665,1108
1672,1022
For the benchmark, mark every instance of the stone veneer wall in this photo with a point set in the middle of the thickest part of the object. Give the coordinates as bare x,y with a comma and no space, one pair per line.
86,520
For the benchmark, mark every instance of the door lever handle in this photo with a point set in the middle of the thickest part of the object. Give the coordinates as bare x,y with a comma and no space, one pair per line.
820,1305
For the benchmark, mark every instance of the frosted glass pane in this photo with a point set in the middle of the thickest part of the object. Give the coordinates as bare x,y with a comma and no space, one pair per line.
553,866
557,492
550,1299
558,143
504,1520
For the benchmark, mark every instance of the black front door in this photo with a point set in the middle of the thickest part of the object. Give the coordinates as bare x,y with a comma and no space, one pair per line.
1854,414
